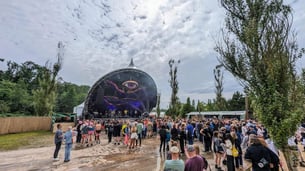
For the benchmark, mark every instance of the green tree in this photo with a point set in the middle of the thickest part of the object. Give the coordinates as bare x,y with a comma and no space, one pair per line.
259,48
45,95
187,108
220,100
237,102
14,97
69,95
173,107
200,106
158,104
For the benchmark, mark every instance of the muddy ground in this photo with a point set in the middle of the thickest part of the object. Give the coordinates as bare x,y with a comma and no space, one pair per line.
100,157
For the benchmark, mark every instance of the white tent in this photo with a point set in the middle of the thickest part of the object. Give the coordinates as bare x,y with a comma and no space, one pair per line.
79,109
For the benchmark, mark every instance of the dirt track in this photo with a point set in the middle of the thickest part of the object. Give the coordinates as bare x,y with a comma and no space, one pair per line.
102,156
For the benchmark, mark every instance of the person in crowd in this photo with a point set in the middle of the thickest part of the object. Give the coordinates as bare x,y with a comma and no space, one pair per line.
194,161
205,162
258,155
90,132
182,138
58,137
68,136
167,138
162,134
79,132
133,137
198,129
274,160
237,143
149,129
218,149
98,130
174,133
116,132
228,148
84,131
155,127
174,164
190,133
139,132
110,131
173,143
207,137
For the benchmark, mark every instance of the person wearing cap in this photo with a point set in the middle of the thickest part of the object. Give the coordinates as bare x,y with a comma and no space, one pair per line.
194,161
175,163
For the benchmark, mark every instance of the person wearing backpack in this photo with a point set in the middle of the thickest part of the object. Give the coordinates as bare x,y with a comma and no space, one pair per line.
258,155
205,161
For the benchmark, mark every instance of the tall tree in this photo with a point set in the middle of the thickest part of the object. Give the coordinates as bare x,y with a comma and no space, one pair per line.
187,107
173,66
158,104
237,102
218,76
45,95
259,48
193,104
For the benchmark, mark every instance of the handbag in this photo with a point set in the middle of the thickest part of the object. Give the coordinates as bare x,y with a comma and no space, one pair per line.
234,151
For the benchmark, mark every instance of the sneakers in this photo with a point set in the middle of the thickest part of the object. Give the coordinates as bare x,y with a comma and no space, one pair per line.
56,159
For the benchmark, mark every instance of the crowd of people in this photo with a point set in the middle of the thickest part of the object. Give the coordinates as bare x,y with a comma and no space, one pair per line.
230,140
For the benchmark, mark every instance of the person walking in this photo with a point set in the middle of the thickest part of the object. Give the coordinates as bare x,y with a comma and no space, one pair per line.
58,141
68,143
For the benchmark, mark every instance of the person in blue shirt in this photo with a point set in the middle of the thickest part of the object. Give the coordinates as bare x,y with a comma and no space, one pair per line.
190,133
68,141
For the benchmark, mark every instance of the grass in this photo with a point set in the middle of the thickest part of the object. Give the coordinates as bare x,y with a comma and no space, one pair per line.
23,140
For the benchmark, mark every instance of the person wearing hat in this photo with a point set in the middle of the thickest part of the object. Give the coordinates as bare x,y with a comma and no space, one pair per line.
175,163
194,161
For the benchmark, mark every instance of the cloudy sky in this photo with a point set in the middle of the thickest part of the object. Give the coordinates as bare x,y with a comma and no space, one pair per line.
103,35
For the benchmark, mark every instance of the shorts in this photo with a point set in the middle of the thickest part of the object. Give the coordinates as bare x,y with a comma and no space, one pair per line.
134,136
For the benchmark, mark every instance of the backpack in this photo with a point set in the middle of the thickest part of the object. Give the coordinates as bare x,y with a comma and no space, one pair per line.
206,164
85,129
110,129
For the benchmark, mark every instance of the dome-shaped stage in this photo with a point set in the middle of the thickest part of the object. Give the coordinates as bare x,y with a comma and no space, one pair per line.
127,92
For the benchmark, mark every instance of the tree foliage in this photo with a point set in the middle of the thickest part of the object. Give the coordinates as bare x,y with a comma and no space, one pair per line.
45,95
29,88
237,102
173,107
220,100
259,48
69,95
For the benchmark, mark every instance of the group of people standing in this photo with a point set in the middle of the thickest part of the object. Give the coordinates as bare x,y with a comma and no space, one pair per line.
67,137
230,140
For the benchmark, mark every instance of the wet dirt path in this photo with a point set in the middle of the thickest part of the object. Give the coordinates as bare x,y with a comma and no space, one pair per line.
100,157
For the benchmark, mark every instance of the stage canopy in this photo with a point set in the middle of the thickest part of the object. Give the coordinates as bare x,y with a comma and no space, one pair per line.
124,92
